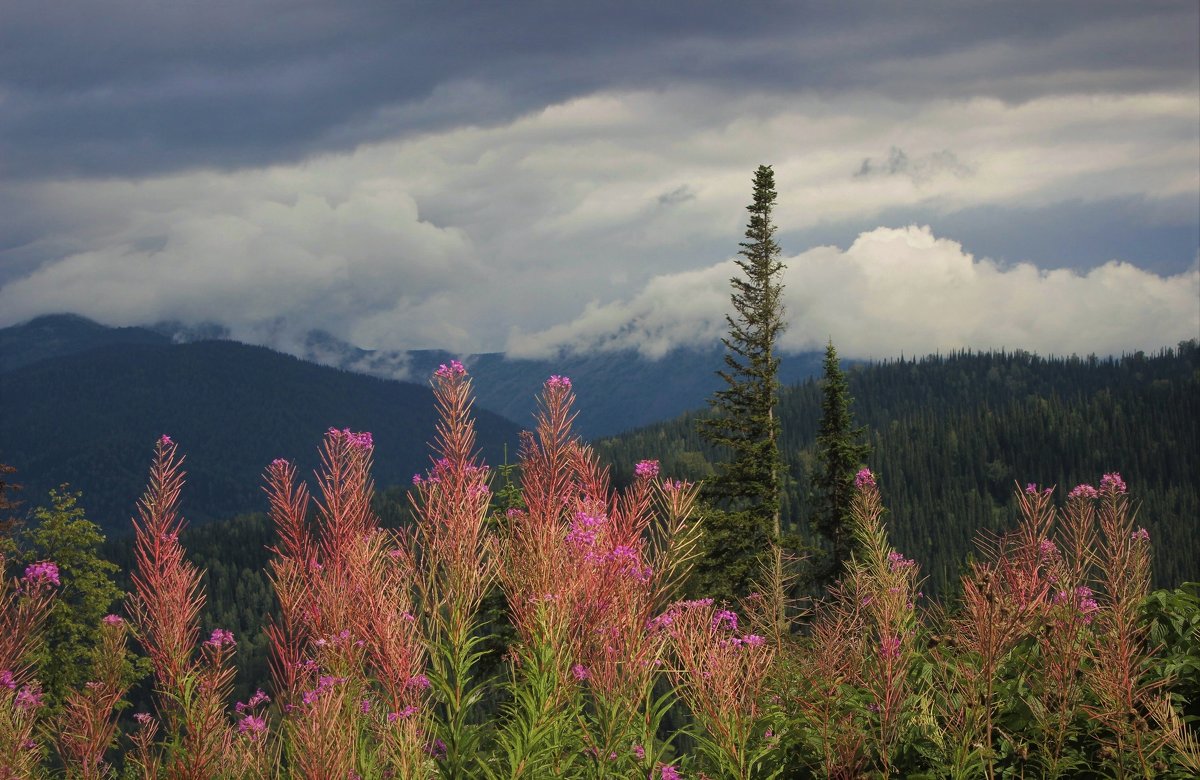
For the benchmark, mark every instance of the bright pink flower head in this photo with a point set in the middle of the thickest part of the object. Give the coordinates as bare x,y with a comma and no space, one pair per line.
221,637
1083,491
1112,482
724,619
451,370
560,382
1141,535
112,620
864,479
28,698
7,680
670,773
639,752
647,469
897,562
165,440
42,573
252,726
580,672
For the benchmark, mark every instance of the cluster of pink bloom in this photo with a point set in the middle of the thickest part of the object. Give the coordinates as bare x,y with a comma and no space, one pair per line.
670,773
896,561
1083,491
889,648
1141,535
1112,482
41,573
864,479
253,726
403,714
112,620
1081,599
324,683
646,469
361,440
7,680
220,638
28,698
559,382
450,371
259,698
724,619
1032,489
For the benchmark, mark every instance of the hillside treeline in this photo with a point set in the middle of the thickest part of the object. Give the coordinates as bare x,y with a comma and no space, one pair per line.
950,435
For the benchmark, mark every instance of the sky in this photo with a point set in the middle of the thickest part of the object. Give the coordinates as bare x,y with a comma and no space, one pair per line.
538,177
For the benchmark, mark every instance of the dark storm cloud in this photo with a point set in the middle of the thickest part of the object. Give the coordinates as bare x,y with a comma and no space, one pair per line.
129,88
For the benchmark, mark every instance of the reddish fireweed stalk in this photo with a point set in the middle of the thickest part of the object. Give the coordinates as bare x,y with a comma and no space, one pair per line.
165,611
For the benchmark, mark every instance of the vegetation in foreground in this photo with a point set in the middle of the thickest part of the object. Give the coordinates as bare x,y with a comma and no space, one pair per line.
1053,663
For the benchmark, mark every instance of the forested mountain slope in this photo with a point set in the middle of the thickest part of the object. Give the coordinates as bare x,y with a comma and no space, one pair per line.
91,419
952,435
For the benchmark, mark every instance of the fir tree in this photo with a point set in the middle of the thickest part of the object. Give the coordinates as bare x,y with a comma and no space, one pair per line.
62,533
840,454
743,420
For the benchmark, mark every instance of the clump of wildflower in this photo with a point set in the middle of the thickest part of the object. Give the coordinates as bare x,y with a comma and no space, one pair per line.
1141,535
363,440
646,469
450,371
864,479
559,382
639,752
580,672
897,562
1047,550
7,680
252,726
165,440
1083,491
723,618
29,697
1112,482
42,573
669,772
437,748
112,620
221,637
889,647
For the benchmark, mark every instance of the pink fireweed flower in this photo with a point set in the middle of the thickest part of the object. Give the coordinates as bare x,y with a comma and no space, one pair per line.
252,726
1047,550
112,620
1083,491
646,469
144,718
753,640
580,672
1031,489
864,479
896,561
670,773
364,706
29,698
437,748
559,382
889,647
221,637
639,752
165,440
42,573
725,619
7,680
418,681
450,371
1112,482
1141,535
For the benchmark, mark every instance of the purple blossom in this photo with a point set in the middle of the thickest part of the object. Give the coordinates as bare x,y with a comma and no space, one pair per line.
221,637
252,726
7,680
896,561
112,620
1083,491
29,697
864,479
165,440
889,647
639,752
670,773
646,469
1047,550
580,672
144,718
364,706
557,381
279,463
418,681
437,749
723,618
42,572
1141,535
451,371
1112,482
1031,489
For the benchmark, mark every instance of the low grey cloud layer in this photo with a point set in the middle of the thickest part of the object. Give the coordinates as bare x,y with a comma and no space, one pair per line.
498,176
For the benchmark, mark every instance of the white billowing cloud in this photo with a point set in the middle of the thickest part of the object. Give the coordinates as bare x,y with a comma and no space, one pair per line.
614,205
899,291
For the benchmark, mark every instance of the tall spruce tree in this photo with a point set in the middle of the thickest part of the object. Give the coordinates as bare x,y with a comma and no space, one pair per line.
840,454
746,489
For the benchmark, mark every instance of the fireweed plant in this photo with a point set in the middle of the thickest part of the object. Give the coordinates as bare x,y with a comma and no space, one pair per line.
1043,668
